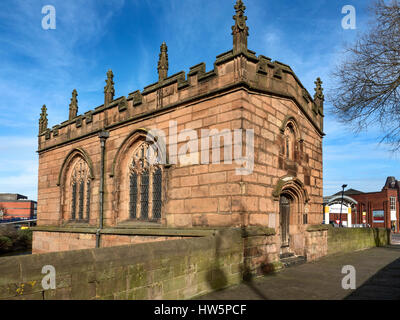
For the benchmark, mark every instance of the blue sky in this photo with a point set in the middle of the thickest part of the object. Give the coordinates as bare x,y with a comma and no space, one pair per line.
43,67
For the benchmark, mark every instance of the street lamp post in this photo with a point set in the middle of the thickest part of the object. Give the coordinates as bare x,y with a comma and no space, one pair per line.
341,205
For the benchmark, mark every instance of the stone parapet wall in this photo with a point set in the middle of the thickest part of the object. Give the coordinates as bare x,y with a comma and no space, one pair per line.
261,252
55,239
351,239
55,242
44,242
322,240
176,269
316,242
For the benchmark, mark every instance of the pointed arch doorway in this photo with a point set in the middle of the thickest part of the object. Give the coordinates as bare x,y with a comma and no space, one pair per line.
284,213
292,209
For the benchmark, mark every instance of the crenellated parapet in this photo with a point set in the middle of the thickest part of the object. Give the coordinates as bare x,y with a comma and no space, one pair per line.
239,68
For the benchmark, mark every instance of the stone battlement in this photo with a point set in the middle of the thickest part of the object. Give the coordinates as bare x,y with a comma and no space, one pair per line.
243,69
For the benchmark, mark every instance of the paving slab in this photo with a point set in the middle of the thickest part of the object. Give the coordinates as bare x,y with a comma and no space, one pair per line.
377,277
395,238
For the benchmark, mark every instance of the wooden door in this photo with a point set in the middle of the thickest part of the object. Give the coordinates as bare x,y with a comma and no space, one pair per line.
284,208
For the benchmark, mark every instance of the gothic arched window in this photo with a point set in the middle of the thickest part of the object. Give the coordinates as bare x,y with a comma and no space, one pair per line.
78,191
145,184
289,143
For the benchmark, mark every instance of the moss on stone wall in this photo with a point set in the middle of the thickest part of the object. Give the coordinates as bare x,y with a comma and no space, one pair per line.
352,239
176,269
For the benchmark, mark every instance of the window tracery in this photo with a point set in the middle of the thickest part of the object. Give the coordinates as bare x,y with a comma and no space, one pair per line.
80,191
145,184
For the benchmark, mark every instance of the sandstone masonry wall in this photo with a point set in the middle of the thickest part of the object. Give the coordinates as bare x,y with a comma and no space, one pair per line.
242,91
349,239
179,269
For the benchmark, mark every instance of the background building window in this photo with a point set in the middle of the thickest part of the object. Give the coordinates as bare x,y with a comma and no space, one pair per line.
392,203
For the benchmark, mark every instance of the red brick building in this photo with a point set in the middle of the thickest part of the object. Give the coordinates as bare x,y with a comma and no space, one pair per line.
16,206
378,209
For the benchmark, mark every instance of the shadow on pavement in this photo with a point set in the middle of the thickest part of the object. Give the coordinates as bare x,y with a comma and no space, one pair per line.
253,287
384,285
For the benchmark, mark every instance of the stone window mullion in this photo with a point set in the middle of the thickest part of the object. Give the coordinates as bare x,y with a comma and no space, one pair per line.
73,201
144,193
151,177
88,200
287,147
157,193
139,197
133,195
81,200
84,199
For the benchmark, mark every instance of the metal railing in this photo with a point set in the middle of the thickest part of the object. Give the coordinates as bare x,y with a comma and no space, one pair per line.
17,221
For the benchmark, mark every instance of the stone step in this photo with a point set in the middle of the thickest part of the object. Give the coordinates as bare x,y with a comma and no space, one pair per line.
284,255
293,261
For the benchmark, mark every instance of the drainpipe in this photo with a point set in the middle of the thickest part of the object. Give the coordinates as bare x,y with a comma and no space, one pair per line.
103,135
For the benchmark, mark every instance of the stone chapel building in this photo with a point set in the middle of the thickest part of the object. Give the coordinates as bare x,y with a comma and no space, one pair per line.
97,188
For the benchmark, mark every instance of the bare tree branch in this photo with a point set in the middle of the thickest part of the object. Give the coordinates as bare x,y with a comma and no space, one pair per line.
368,82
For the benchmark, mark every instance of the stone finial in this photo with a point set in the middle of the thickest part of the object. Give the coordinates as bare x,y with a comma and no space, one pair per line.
109,90
319,90
163,63
319,96
73,106
43,122
240,31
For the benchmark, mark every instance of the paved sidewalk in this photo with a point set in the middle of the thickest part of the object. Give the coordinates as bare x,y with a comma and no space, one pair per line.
377,277
396,238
